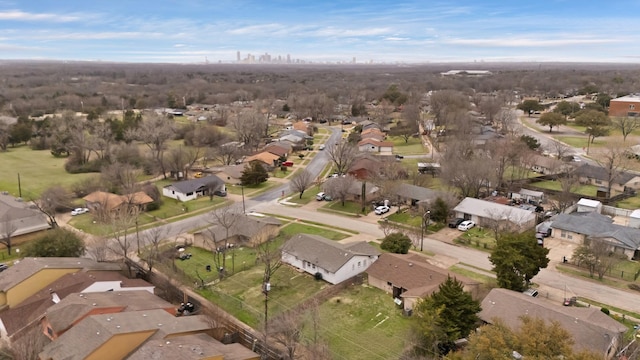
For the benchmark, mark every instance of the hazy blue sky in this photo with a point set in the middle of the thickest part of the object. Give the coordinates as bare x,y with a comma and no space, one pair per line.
408,31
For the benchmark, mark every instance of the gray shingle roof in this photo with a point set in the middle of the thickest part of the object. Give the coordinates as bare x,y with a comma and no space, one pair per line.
188,347
414,192
595,225
587,325
600,173
24,219
244,225
193,185
324,253
488,209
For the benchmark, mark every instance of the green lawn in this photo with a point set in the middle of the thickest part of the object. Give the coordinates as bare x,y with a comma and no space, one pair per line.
38,170
363,323
308,196
631,203
589,190
412,147
350,207
481,239
581,142
298,228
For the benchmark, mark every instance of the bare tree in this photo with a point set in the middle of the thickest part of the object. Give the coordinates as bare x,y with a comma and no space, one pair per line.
626,125
155,132
598,255
153,237
614,161
559,149
338,188
99,249
506,120
301,182
225,218
51,201
180,159
227,154
120,223
120,178
316,347
287,331
343,155
271,258
7,230
443,102
249,126
28,346
565,198
460,169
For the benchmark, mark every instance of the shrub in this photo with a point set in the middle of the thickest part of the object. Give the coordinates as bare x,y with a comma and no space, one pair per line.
397,243
605,310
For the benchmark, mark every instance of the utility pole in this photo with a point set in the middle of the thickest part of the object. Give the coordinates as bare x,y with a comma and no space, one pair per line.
425,218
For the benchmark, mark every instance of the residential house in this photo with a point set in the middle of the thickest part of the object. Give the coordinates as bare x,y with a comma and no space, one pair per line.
67,312
230,174
375,146
364,167
634,219
105,202
628,105
591,329
19,320
409,277
577,227
302,126
191,189
373,133
547,165
414,194
246,230
354,193
18,216
282,149
156,334
599,176
329,260
268,159
487,213
30,275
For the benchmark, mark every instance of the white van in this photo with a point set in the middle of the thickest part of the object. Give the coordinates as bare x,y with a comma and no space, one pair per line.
320,196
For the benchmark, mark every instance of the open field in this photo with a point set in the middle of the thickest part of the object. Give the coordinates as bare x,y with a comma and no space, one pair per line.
38,171
412,147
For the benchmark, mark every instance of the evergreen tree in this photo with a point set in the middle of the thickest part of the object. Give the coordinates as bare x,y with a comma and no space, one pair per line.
56,243
253,174
516,259
452,310
397,243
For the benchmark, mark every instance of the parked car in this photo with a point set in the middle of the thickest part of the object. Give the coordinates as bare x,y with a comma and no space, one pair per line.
287,163
3,267
321,147
198,175
399,157
382,210
531,292
466,225
320,196
455,222
221,193
79,211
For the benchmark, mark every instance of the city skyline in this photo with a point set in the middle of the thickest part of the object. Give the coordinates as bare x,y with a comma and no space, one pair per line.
408,31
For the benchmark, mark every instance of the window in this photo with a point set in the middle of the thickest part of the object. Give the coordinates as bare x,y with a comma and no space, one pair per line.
598,182
632,107
359,263
563,234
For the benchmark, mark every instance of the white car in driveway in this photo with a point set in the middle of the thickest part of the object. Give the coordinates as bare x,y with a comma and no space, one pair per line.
466,225
78,211
383,209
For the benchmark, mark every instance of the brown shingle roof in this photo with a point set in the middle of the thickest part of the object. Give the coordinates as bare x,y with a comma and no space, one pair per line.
587,325
111,201
411,272
75,306
375,142
265,157
188,347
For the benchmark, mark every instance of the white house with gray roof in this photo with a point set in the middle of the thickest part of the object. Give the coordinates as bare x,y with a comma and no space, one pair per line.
333,261
485,213
191,189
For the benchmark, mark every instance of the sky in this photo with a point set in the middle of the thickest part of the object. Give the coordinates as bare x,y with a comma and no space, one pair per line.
378,31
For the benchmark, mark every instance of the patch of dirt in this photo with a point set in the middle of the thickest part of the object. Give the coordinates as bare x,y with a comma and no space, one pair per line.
341,300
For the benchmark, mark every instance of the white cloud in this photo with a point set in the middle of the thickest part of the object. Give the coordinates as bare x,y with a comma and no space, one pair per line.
530,42
18,15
